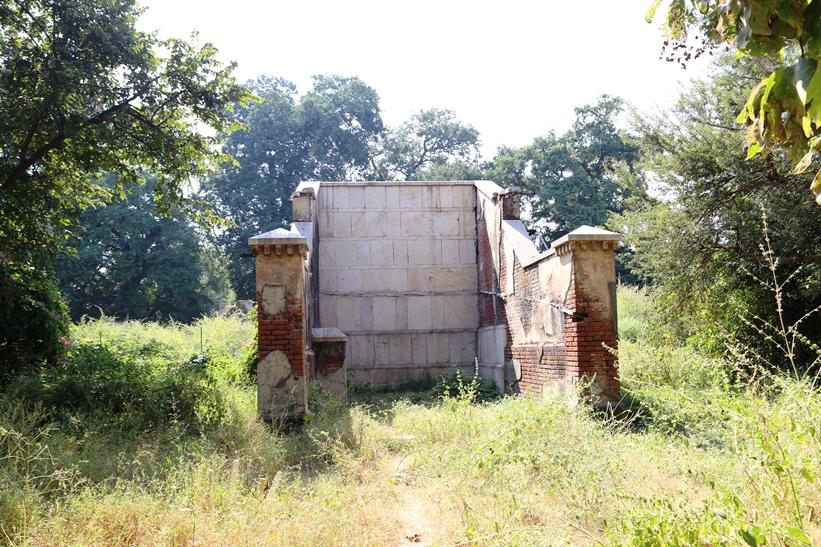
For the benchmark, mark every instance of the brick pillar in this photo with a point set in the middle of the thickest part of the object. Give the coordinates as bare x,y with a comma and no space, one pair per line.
591,299
282,335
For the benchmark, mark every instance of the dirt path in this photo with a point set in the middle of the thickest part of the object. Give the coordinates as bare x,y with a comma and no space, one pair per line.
418,513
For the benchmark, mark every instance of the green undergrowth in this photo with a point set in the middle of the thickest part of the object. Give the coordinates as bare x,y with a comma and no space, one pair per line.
705,456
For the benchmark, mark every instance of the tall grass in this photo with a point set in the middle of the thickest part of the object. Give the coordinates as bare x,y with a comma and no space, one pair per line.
705,458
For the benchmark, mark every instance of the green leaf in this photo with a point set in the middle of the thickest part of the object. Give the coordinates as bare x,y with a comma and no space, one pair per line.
748,538
813,100
652,11
804,70
753,150
798,535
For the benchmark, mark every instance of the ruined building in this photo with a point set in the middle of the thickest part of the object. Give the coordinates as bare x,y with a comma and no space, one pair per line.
380,283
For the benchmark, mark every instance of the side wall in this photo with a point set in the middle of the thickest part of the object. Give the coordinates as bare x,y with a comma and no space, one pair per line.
398,275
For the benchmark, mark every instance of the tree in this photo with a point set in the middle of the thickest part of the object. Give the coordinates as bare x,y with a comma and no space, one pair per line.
130,262
82,92
700,246
429,138
784,108
569,180
324,135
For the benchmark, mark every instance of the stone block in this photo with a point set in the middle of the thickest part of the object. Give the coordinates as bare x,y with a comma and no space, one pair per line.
273,299
327,254
400,349
371,224
356,197
341,223
410,197
392,197
361,350
327,280
418,279
393,223
340,197
363,253
327,310
375,197
437,311
446,279
366,314
383,280
349,280
468,224
464,197
400,252
450,251
445,197
467,251
279,393
447,223
382,253
343,252
419,312
384,313
412,223
382,350
419,348
325,224
347,313
423,252
401,313
455,312
462,347
438,348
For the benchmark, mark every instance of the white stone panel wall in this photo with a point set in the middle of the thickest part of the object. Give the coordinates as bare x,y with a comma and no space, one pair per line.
398,274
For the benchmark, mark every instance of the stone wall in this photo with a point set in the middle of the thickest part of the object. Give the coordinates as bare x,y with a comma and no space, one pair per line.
398,274
419,277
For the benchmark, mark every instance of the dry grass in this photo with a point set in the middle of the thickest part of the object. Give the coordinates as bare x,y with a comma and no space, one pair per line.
702,461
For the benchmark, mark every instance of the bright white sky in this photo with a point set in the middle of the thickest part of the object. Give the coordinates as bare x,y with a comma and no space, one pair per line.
512,69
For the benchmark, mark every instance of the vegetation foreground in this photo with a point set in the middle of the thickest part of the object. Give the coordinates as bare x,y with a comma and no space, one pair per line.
138,442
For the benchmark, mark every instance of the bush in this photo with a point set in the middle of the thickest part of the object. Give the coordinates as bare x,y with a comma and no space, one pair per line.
33,319
97,380
474,389
142,374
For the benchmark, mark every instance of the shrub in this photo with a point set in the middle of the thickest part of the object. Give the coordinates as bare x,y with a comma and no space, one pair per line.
470,390
96,379
33,319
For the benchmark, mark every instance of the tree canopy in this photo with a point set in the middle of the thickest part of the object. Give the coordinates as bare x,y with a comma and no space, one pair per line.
784,107
323,135
701,246
158,265
433,137
83,92
569,180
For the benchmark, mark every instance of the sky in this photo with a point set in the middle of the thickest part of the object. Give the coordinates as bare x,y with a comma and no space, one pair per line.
512,69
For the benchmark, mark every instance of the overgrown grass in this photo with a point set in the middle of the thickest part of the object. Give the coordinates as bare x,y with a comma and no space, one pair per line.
706,458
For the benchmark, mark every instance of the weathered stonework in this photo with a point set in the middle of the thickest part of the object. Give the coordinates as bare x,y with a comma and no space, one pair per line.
416,278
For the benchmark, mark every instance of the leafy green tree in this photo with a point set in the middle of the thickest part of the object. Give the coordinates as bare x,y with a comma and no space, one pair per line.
569,179
82,91
130,262
324,135
783,109
701,246
428,141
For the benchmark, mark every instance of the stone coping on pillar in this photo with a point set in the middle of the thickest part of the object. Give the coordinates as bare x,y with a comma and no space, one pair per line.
328,334
584,235
492,190
279,241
